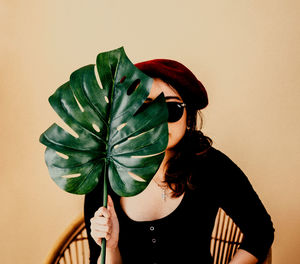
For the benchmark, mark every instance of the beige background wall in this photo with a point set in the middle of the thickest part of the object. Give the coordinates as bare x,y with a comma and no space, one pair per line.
245,52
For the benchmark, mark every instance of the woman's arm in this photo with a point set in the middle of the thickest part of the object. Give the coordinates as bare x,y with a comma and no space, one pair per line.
243,257
239,200
113,256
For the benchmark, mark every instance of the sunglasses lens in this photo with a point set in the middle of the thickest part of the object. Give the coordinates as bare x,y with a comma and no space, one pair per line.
175,111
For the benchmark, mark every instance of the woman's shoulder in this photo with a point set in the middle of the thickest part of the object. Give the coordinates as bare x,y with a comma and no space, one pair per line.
214,166
213,157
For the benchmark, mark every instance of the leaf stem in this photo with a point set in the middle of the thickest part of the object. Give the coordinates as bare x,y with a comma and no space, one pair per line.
103,246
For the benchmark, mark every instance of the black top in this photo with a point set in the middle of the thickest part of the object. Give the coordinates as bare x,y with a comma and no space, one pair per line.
184,235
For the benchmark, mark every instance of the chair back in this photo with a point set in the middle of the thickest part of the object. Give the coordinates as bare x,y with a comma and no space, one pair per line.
72,247
226,239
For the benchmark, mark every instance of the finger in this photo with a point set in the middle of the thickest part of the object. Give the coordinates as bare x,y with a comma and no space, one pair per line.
110,201
99,212
98,240
110,205
101,228
102,211
99,220
99,234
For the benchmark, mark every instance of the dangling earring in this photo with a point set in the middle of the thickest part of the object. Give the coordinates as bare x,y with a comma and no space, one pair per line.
188,123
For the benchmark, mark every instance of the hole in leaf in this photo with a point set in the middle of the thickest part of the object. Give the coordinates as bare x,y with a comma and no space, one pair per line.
136,136
70,176
133,86
67,128
136,177
106,99
73,133
96,127
79,105
146,156
98,77
123,79
116,146
121,126
62,155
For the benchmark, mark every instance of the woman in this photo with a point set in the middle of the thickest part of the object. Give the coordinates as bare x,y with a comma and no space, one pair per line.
172,219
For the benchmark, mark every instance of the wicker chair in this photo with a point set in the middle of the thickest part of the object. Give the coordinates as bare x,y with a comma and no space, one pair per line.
72,247
226,238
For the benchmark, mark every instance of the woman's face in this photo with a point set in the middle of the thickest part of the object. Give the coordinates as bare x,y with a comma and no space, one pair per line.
176,129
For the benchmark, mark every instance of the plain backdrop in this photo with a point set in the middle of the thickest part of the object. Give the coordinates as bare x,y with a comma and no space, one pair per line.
246,53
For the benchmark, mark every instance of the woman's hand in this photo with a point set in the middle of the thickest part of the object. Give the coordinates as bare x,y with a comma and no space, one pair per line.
105,224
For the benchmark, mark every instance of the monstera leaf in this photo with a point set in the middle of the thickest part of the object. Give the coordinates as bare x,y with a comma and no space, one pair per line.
114,137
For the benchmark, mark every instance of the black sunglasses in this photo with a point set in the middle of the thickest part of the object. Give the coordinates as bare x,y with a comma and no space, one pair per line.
175,110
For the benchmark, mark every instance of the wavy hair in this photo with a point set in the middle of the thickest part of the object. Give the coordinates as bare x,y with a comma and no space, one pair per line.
192,145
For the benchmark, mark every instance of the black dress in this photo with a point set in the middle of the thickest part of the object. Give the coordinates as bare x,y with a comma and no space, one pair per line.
184,235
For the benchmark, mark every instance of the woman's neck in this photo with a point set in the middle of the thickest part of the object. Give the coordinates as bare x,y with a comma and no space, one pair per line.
159,176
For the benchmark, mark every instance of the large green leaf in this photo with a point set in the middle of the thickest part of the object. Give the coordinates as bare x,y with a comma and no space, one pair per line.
100,105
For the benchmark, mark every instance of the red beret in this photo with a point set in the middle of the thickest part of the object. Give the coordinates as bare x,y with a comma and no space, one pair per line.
180,77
